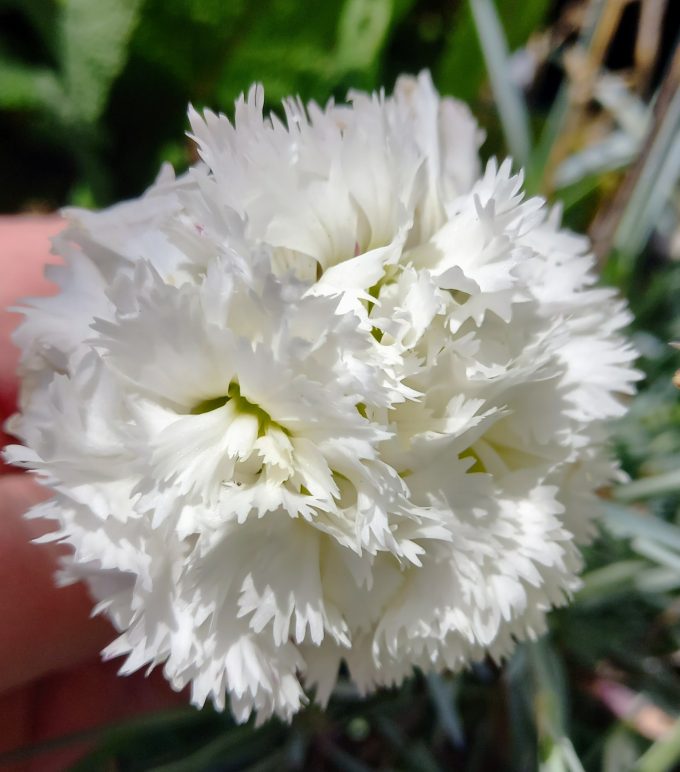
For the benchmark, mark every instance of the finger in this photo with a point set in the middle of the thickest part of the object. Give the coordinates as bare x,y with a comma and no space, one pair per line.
88,697
24,250
44,628
93,696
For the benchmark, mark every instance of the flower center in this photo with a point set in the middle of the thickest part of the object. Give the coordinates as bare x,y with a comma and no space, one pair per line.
478,466
241,406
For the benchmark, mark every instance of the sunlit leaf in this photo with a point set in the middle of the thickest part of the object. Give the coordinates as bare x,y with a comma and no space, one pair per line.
663,755
94,38
362,28
29,88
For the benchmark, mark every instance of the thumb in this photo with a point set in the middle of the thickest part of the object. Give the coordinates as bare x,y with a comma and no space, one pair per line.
45,628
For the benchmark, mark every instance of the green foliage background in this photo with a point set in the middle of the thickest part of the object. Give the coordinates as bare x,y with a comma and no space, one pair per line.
93,93
93,97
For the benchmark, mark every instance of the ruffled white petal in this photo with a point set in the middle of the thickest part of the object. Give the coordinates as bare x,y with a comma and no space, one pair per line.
334,395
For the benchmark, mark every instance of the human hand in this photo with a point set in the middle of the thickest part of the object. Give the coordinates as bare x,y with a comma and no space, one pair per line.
52,682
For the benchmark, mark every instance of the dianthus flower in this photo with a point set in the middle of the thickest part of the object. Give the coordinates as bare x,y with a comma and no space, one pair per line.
333,395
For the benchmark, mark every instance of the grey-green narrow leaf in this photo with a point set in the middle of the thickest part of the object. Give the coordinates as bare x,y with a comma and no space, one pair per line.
511,105
657,180
626,522
646,487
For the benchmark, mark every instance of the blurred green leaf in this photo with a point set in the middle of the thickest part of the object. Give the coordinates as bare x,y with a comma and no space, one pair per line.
610,581
550,688
29,88
663,755
551,705
238,745
621,102
657,579
443,692
115,736
189,41
415,756
273,762
646,487
620,751
658,177
562,758
461,69
509,99
93,46
42,15
362,29
343,761
627,522
520,698
615,151
657,553
579,196
285,47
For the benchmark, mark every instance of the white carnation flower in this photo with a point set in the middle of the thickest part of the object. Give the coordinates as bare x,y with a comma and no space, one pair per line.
335,394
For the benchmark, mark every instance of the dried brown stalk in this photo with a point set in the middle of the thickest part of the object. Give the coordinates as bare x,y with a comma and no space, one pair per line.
603,229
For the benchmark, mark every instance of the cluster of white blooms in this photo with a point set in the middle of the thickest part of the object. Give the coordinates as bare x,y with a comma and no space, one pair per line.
336,394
